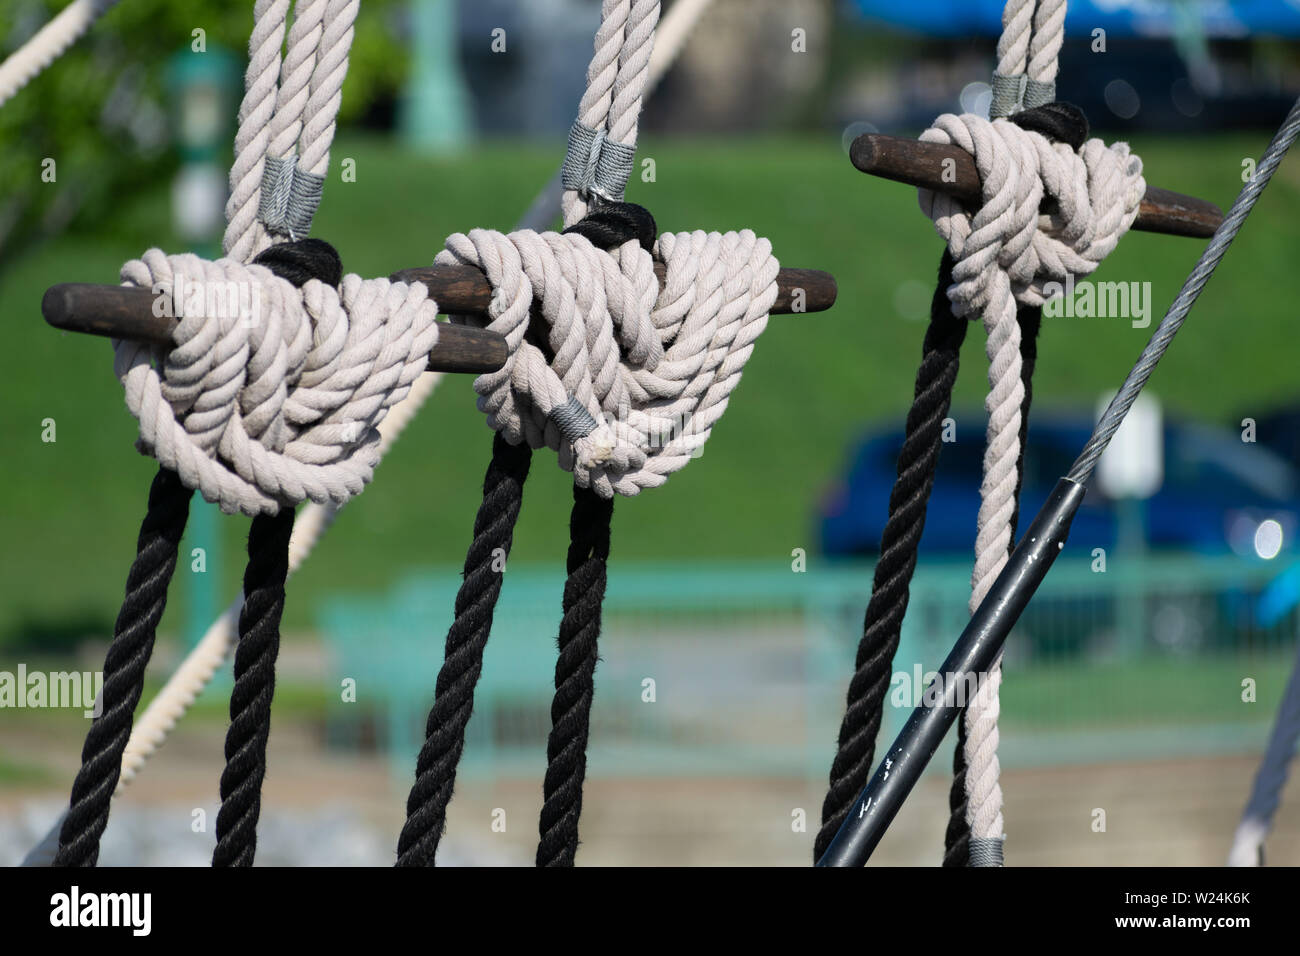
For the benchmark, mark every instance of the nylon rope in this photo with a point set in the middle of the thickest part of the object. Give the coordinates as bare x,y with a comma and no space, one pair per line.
625,380
196,671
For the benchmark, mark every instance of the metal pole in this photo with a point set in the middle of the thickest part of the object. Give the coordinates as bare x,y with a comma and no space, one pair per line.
968,662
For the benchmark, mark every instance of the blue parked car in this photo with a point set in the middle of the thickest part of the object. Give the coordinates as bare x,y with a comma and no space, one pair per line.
1217,492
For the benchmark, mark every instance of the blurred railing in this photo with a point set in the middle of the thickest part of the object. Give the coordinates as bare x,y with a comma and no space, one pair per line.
741,670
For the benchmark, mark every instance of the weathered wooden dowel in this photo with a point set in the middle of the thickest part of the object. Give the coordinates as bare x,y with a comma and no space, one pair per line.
952,170
123,312
128,313
465,290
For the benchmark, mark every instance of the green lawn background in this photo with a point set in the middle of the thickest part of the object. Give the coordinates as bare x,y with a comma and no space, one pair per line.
72,508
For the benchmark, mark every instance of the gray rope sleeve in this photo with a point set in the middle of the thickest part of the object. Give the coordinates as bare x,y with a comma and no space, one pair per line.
573,420
290,197
1174,318
1008,94
304,199
596,165
985,851
1038,93
277,183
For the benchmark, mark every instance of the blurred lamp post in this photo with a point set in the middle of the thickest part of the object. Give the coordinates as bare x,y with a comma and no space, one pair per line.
206,88
433,115
1131,470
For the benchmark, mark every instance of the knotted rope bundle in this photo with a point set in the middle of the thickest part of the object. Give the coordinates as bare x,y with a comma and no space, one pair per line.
270,395
1054,203
1050,208
627,382
624,380
276,400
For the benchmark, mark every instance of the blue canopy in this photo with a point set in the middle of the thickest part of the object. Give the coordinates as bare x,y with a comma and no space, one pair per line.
1150,18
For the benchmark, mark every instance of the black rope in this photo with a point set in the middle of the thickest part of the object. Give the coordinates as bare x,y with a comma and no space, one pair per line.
566,748
250,700
606,226
453,702
259,618
917,461
124,667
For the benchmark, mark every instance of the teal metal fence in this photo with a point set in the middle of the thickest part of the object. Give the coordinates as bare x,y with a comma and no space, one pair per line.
740,670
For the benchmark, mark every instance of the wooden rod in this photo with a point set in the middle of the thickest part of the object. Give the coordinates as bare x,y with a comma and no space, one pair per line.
465,290
128,313
952,170
124,312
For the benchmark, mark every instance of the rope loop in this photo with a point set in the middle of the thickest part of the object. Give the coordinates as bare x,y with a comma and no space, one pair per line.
1049,210
623,380
271,394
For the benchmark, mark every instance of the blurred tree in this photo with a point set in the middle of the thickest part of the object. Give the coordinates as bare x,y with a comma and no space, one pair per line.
101,111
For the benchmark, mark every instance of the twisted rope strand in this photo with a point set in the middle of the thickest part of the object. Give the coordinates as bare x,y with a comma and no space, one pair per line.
48,44
882,625
958,832
250,700
453,702
566,747
187,682
124,667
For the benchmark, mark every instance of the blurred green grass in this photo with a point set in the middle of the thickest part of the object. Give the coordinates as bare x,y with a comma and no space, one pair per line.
73,507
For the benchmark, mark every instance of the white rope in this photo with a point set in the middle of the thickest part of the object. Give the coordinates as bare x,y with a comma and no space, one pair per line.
271,395
639,376
1045,43
1005,253
245,234
188,681
262,410
327,86
48,44
207,656
1025,76
603,140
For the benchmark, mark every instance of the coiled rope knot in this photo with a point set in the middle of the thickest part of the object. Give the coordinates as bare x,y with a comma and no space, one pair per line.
1050,208
272,393
623,380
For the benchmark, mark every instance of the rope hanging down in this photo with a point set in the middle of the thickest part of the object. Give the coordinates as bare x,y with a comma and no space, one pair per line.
623,380
1054,203
1270,779
186,683
982,639
124,666
263,404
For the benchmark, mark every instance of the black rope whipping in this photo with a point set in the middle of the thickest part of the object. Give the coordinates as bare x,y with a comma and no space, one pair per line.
124,667
1063,123
917,461
453,702
566,748
259,618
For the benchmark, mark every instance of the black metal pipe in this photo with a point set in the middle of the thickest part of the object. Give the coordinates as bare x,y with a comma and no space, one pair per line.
971,657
